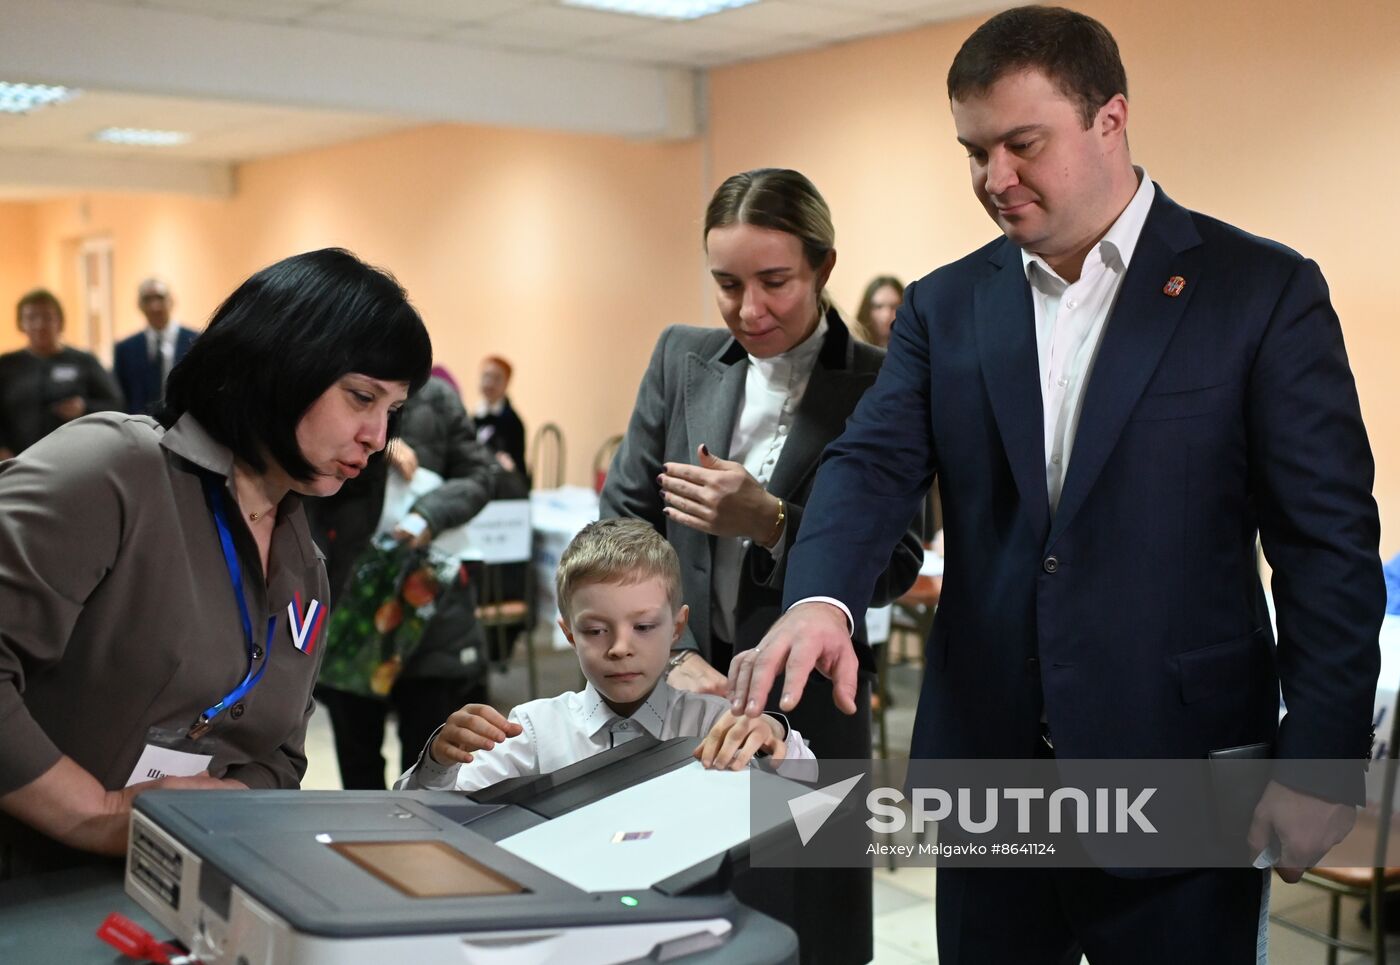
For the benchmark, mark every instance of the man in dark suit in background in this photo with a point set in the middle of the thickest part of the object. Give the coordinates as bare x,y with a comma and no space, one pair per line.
1116,397
142,361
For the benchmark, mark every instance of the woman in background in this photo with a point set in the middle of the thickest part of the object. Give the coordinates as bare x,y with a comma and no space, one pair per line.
875,317
447,666
159,588
497,424
47,383
720,456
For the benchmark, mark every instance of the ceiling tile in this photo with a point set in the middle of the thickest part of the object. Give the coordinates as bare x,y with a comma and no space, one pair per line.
871,27
373,23
490,35
570,22
687,37
446,11
222,130
783,18
921,11
777,46
632,52
259,11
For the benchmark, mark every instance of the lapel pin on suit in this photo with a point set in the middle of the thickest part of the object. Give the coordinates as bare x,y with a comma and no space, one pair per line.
1175,286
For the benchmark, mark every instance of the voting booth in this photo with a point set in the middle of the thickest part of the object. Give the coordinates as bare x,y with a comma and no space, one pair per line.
619,858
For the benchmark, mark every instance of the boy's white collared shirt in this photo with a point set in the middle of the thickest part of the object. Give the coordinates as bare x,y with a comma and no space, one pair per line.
562,730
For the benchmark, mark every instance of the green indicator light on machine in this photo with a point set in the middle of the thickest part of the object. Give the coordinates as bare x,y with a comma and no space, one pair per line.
629,901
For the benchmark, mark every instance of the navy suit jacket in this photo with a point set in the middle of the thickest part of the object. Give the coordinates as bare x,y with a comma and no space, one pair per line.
1133,617
138,375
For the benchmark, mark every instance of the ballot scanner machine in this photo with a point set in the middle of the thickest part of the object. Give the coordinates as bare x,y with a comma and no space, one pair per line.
597,863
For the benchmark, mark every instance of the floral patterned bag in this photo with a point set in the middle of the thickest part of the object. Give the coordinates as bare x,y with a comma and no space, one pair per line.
394,592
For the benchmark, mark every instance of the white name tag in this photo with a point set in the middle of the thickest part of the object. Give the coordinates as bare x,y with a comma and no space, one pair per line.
157,762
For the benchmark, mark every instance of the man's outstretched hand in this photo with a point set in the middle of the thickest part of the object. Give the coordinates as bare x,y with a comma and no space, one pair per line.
810,635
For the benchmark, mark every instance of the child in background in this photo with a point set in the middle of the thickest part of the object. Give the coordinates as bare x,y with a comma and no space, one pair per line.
618,587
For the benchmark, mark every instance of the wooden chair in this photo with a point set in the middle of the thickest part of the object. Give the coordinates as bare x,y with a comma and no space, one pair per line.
912,617
1373,883
602,459
502,616
547,457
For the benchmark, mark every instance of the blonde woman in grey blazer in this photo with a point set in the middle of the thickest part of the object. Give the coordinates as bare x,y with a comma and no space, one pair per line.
691,395
720,454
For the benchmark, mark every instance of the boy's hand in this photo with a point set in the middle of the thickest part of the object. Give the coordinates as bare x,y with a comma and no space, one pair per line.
476,727
733,741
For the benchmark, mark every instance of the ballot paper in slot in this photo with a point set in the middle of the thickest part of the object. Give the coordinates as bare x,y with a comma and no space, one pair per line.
645,833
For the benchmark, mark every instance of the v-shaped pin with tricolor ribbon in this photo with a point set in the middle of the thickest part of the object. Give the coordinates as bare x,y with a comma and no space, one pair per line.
305,628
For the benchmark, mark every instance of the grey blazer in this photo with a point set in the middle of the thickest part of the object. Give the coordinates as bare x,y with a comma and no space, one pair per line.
691,393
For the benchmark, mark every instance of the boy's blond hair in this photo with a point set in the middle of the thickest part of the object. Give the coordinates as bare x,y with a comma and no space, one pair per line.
616,551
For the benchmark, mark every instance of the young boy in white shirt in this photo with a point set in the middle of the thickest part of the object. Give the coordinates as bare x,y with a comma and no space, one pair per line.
618,587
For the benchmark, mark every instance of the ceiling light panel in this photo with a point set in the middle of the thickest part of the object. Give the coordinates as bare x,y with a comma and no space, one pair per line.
23,98
141,137
661,9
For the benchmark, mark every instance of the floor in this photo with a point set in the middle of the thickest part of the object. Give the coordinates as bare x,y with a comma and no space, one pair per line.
904,932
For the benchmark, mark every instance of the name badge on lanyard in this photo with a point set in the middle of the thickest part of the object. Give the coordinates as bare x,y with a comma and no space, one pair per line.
215,494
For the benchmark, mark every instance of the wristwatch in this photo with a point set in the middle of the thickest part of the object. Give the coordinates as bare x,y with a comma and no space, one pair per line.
677,659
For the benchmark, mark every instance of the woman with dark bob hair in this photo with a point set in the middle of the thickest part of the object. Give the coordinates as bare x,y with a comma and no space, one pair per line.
161,600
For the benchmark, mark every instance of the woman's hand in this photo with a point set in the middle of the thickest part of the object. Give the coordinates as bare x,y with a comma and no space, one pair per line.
402,457
69,805
413,530
718,497
696,675
107,832
476,727
70,408
733,741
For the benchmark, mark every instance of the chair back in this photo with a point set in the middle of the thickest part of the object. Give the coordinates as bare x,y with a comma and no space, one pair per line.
547,457
1387,803
602,460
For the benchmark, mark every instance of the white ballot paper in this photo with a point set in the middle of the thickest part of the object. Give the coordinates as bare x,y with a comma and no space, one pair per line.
644,834
157,762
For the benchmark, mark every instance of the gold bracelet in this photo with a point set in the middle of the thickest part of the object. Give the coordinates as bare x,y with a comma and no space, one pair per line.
777,533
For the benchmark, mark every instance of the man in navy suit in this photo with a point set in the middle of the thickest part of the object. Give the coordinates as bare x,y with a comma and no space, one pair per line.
1116,397
142,361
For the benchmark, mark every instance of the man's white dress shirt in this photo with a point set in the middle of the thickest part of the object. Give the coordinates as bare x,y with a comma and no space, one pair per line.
562,730
1069,325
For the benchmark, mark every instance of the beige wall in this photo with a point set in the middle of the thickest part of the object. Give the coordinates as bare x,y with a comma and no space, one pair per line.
18,266
569,253
1276,115
565,254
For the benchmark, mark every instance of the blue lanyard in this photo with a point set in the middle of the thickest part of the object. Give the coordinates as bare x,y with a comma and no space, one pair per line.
214,491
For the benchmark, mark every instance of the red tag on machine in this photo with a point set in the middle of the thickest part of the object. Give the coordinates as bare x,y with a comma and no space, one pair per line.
133,941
